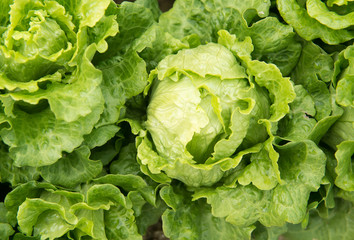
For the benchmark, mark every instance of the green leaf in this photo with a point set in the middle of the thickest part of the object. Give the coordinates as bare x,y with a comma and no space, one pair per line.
299,122
101,135
337,226
134,19
123,78
6,231
301,165
344,169
313,71
120,224
280,48
152,5
342,129
309,28
344,85
16,197
42,210
126,162
72,169
12,174
39,138
193,220
205,18
259,172
319,11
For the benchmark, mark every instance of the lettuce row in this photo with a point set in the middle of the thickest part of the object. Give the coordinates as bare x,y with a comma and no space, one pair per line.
244,129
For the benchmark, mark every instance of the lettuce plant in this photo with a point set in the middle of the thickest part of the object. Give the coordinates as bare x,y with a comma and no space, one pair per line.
51,93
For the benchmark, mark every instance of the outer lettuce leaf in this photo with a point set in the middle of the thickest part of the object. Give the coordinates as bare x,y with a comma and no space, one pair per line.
6,231
313,71
344,169
12,174
349,196
340,139
301,165
186,220
268,233
122,79
120,224
153,6
72,169
330,3
299,122
5,228
344,78
124,172
338,225
319,11
309,28
205,18
42,210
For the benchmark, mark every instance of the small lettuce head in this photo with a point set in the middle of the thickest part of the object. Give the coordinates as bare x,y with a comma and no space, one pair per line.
50,92
209,106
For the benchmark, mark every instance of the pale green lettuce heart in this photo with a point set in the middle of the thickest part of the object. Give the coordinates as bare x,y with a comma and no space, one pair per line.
210,114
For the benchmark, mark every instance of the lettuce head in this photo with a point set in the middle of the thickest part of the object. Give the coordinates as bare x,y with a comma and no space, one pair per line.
50,91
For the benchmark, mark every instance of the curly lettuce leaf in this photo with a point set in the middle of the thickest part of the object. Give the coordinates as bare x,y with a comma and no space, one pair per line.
301,165
97,211
344,77
206,18
6,229
72,169
194,219
319,11
309,28
338,225
12,174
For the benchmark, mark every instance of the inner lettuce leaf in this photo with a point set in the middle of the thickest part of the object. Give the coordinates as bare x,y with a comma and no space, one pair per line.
202,117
